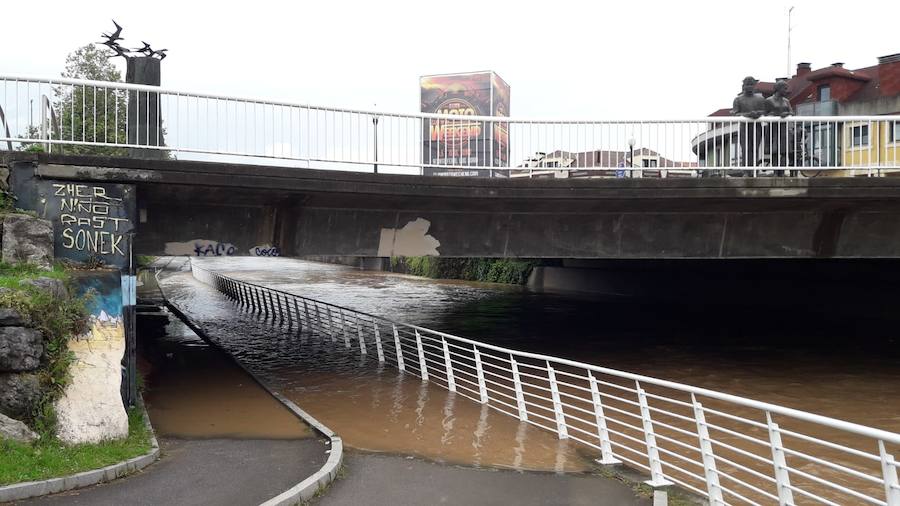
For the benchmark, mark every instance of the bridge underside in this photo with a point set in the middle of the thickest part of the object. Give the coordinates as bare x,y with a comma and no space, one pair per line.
188,207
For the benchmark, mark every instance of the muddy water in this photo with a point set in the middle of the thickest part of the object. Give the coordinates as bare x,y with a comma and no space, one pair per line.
815,362
195,391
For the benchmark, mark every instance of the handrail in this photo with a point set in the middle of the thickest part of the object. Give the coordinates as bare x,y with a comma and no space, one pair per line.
550,398
449,117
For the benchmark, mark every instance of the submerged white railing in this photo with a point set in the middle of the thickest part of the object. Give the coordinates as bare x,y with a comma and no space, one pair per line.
728,449
79,116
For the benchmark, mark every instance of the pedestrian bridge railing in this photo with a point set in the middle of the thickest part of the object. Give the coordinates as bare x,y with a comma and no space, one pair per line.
728,449
108,118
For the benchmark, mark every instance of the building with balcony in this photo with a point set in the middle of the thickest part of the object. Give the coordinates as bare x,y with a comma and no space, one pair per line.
830,91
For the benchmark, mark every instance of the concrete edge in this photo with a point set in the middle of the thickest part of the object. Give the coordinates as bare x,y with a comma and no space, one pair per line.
29,489
309,487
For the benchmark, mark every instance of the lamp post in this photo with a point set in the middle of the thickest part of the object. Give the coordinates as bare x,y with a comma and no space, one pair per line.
375,122
631,157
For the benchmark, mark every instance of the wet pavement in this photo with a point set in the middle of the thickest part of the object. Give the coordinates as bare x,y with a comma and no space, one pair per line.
398,481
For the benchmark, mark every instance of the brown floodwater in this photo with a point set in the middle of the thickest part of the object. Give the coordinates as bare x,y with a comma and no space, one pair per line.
820,361
195,391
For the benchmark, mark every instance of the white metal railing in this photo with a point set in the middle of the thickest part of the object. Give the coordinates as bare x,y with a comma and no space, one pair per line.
116,118
728,449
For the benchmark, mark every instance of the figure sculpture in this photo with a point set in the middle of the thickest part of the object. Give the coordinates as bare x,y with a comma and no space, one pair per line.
781,138
749,104
112,42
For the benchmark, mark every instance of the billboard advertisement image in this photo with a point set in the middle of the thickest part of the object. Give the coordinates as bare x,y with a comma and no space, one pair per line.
458,141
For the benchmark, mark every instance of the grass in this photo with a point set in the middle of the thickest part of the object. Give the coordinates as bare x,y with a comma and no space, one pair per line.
51,458
12,274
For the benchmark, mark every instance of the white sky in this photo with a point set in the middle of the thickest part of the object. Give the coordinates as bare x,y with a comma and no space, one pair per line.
563,59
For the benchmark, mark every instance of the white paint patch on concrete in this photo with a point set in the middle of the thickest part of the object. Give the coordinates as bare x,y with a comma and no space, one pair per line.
410,241
91,408
200,248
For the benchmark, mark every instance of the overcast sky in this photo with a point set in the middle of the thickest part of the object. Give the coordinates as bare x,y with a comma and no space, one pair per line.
562,59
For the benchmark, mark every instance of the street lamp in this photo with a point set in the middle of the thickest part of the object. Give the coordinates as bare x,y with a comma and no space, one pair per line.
631,157
375,122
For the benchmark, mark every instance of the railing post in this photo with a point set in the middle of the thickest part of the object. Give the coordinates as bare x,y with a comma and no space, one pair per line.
706,452
362,342
318,316
657,477
259,305
423,367
606,454
299,315
271,304
398,349
287,311
479,371
330,324
889,471
308,320
344,329
448,364
520,394
557,404
379,350
782,476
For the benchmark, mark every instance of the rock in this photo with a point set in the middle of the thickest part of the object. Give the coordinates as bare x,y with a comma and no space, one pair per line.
19,392
55,287
27,239
10,318
21,349
17,431
4,178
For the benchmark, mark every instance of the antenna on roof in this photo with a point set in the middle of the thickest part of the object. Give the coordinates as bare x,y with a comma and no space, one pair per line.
788,73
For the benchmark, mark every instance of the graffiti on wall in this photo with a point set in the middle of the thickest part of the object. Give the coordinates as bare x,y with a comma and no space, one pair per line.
201,248
91,221
91,407
211,248
265,250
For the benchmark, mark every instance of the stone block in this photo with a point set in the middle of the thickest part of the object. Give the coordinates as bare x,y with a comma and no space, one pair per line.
19,392
21,349
55,287
11,428
10,317
27,239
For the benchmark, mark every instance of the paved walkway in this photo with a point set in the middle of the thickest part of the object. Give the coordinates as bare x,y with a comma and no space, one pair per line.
207,471
400,481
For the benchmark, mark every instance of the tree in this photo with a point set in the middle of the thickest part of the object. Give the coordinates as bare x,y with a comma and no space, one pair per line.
90,113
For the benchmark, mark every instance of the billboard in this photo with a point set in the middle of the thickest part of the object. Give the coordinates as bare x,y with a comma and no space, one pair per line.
461,142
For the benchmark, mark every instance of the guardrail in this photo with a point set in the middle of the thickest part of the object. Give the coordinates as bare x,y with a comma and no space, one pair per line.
729,449
115,118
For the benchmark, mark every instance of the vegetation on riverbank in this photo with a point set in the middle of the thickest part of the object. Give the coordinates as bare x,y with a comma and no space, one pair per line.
492,270
49,458
57,319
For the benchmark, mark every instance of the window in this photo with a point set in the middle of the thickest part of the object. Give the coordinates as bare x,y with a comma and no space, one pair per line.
824,93
860,136
650,163
894,131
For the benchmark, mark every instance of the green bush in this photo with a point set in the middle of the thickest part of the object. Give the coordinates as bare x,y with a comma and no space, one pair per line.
493,270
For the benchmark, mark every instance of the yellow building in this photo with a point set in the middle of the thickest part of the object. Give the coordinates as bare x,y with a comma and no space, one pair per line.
871,144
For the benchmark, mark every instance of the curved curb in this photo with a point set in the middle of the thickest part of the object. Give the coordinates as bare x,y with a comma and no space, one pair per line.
309,487
19,491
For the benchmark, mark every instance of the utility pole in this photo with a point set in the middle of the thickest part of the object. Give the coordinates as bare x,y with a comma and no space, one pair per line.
788,73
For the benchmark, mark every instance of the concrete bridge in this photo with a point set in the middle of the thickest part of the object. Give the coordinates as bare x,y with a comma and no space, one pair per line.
208,208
